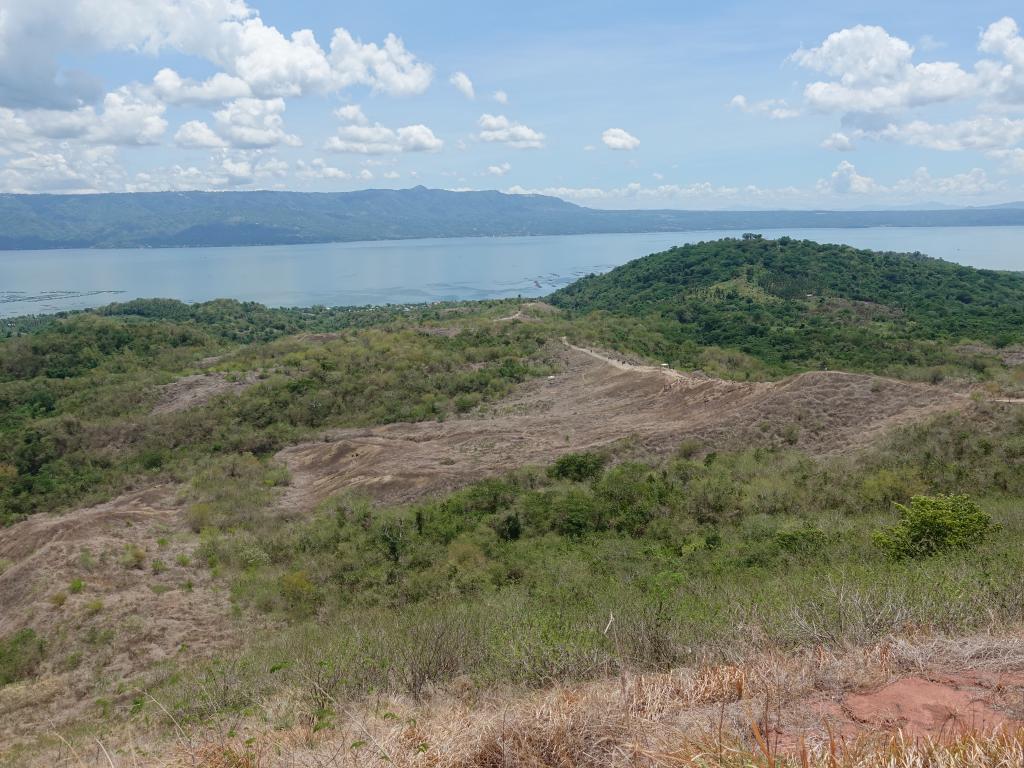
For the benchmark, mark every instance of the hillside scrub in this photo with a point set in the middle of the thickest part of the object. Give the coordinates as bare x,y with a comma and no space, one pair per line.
794,305
535,577
77,394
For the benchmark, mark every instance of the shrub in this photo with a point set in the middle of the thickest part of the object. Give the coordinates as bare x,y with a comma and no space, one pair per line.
20,655
134,556
300,595
933,524
578,467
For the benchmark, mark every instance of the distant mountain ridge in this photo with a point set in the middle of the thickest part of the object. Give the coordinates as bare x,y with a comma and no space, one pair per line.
175,219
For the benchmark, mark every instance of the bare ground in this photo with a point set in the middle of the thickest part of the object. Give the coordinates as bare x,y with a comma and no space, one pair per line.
595,401
138,605
193,391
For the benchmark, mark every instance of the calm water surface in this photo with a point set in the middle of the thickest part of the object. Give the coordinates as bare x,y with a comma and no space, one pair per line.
407,271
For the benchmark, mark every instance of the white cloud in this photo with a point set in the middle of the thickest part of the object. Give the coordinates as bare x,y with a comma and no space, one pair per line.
498,128
391,175
500,96
351,113
973,182
418,138
377,139
196,134
254,123
1012,160
320,169
228,33
366,174
845,180
463,84
65,169
173,89
389,68
838,141
983,132
617,138
499,170
844,186
874,72
130,115
1003,80
777,109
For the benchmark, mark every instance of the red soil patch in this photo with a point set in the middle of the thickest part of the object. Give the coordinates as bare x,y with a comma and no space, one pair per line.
924,708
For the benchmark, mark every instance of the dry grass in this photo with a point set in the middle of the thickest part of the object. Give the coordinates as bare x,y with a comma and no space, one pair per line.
770,710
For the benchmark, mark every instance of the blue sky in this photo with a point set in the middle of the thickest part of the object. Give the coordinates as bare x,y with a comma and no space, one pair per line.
645,104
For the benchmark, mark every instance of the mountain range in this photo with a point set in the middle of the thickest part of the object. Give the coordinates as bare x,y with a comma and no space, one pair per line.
181,219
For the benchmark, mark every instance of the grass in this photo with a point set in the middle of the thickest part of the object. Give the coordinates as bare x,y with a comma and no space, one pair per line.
597,567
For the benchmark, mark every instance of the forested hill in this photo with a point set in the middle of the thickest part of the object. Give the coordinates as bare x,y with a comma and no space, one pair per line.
796,303
165,219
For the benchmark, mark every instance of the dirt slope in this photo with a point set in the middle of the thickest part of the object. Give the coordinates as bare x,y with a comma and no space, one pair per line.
193,391
595,401
142,600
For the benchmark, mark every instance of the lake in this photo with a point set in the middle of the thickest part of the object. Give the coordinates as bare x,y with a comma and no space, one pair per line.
409,271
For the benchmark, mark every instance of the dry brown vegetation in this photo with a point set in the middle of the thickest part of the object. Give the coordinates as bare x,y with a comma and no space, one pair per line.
903,703
595,401
115,591
192,391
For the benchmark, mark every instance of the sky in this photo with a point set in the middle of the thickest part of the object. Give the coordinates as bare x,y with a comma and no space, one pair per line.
725,105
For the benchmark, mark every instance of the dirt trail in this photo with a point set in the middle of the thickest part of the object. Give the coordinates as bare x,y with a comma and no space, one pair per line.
595,401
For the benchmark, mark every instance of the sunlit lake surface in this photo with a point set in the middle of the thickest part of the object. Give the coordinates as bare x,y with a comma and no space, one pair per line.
409,271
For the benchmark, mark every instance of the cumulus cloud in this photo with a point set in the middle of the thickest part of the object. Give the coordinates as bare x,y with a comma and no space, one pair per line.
874,72
173,89
351,113
838,141
921,182
360,137
320,169
463,84
845,180
254,123
983,132
389,68
129,115
227,33
1011,160
498,128
196,134
501,97
1003,80
499,170
777,109
616,138
64,169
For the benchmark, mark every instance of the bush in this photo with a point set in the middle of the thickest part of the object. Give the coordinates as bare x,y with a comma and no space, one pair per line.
20,656
933,524
578,467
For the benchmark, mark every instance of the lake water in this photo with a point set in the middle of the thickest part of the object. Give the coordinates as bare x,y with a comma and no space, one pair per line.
409,271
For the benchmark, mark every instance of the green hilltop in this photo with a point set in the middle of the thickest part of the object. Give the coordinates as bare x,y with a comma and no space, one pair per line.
797,304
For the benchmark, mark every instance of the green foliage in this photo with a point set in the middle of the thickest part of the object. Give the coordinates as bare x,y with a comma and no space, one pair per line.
934,524
72,388
578,466
20,655
789,305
